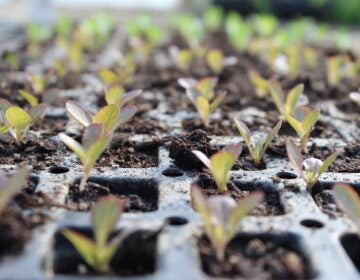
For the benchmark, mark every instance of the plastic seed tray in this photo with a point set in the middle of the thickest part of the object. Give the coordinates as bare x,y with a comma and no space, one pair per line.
166,238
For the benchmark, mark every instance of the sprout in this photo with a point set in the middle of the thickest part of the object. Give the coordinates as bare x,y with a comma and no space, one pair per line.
294,98
258,143
221,163
303,122
221,216
333,64
181,58
217,62
355,96
16,121
10,186
12,60
31,99
349,201
111,116
120,76
202,94
94,142
213,17
293,61
99,252
265,25
259,83
238,32
36,35
313,167
116,95
38,81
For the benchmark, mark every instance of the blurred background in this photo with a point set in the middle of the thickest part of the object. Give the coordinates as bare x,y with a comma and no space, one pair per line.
336,11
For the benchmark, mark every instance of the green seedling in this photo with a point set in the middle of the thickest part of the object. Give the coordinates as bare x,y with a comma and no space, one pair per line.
36,34
221,163
94,142
9,187
98,252
349,201
202,95
311,169
12,60
64,26
213,18
221,216
29,98
355,96
293,56
217,61
258,143
120,76
182,58
333,69
116,95
303,122
110,116
38,81
16,121
265,25
310,57
259,83
286,104
238,32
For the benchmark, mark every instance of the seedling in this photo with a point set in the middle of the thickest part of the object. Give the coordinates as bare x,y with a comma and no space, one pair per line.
36,34
303,122
221,163
213,17
117,96
259,83
11,186
94,142
38,81
182,58
12,60
258,143
31,99
238,31
287,105
64,26
99,251
293,61
16,121
333,66
349,201
217,62
120,76
111,116
221,216
202,94
265,25
355,96
313,167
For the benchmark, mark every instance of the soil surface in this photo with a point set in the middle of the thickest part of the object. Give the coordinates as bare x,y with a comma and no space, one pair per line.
143,201
271,205
251,257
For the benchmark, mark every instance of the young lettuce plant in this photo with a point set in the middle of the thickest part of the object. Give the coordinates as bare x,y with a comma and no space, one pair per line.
238,31
202,94
98,253
217,61
221,216
258,143
38,81
116,95
120,76
303,122
11,186
17,121
213,18
111,116
182,58
94,142
313,167
221,163
286,104
333,68
259,83
348,200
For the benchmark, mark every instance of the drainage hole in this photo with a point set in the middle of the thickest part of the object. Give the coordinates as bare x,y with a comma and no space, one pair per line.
313,224
286,175
172,172
176,221
58,169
